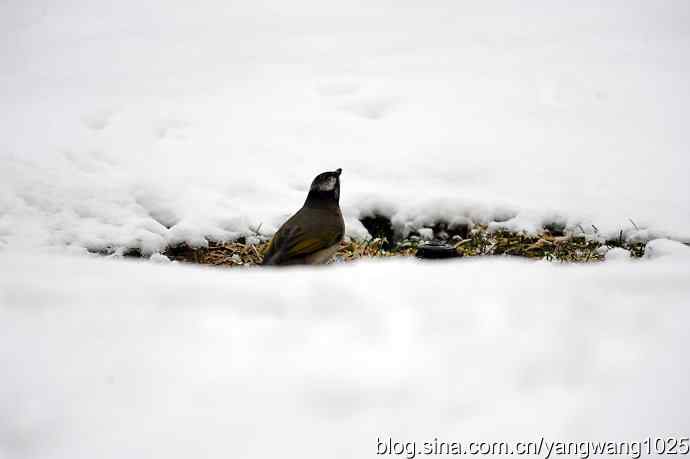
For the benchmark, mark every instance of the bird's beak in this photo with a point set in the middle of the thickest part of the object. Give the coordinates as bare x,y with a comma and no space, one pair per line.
338,171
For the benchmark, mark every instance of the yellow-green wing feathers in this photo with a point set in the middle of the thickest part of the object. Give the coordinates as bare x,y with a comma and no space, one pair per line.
291,242
305,233
305,247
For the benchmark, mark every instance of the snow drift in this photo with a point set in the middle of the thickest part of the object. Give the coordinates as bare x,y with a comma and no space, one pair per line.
123,359
141,125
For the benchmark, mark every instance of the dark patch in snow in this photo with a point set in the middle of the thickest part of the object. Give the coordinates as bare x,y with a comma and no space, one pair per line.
379,226
555,228
444,231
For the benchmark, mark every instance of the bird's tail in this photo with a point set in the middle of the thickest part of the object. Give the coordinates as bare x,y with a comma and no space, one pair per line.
272,256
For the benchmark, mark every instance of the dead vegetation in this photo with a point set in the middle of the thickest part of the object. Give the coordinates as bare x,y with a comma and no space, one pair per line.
478,242
219,253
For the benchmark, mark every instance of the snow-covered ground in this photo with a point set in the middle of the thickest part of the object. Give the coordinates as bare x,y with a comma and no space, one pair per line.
163,361
136,124
120,119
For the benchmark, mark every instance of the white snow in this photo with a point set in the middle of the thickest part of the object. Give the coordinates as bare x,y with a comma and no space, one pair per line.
664,247
139,124
617,254
426,233
112,359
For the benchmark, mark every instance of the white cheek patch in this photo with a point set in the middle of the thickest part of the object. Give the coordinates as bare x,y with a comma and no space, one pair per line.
326,185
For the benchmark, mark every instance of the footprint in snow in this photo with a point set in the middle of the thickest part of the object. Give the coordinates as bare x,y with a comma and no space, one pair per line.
355,98
371,108
171,129
97,120
339,88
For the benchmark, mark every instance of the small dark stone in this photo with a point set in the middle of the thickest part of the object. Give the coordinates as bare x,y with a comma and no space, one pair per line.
436,250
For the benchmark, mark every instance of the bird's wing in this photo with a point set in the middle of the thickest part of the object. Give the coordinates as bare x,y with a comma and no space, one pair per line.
294,241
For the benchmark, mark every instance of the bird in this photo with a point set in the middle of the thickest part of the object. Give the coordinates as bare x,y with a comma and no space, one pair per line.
313,234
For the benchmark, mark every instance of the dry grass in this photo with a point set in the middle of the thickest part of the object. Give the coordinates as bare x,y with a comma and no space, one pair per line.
568,248
219,253
480,242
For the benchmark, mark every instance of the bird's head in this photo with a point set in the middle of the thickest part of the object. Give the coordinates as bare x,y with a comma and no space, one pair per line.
325,188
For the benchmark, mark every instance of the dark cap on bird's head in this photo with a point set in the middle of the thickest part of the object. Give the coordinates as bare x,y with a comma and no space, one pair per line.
325,189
